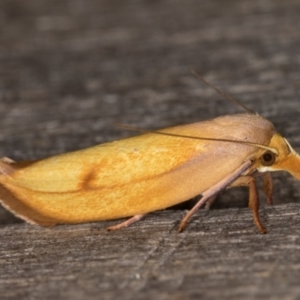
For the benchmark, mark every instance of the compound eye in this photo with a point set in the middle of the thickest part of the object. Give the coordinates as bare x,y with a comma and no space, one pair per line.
268,158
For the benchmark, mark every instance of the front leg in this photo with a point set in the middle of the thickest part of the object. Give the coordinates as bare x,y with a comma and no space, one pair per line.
215,189
253,198
268,186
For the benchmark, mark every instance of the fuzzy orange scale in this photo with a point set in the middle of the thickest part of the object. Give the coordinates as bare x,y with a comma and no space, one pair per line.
288,160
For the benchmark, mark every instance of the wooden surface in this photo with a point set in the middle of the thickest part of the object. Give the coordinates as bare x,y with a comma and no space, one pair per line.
69,69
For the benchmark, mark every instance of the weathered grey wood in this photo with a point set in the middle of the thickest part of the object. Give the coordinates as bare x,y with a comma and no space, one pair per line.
68,69
220,255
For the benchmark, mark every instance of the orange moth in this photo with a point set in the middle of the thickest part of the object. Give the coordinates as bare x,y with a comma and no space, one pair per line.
152,171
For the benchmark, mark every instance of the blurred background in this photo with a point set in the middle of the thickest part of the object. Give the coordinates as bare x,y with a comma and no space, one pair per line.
70,68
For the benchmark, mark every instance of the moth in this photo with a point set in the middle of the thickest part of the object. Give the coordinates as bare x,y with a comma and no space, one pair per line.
152,171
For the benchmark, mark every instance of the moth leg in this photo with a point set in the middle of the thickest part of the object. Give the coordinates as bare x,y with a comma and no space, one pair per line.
126,223
253,198
210,202
7,160
268,187
214,190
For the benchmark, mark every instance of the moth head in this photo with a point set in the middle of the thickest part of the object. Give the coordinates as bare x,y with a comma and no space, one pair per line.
283,157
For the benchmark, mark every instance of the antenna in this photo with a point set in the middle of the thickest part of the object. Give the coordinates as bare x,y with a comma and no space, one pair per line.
273,150
228,97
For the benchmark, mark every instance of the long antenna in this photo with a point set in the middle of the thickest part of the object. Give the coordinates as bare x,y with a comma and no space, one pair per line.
273,150
228,97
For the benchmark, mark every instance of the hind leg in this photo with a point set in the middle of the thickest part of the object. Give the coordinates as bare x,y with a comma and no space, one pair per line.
126,223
